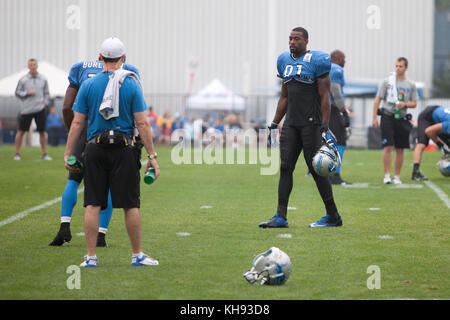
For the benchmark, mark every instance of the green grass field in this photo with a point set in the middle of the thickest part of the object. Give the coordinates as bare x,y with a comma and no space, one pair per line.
407,236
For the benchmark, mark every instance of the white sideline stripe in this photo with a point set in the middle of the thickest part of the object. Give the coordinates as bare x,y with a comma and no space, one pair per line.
23,214
441,194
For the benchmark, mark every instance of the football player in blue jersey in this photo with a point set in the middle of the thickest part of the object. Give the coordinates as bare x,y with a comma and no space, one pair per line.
339,119
305,104
434,124
77,75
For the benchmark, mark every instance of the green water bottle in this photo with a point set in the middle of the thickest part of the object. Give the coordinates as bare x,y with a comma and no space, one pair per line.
73,162
149,176
397,113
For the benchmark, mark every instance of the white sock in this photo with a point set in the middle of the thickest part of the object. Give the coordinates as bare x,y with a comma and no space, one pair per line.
139,255
102,230
66,219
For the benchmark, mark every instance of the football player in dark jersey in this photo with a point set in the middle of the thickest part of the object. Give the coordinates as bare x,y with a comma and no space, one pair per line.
305,101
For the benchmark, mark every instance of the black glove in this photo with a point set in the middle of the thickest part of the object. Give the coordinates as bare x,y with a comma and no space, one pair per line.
444,148
272,126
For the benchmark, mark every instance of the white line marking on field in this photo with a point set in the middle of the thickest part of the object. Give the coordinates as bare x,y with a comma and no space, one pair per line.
441,194
285,236
205,207
385,237
183,234
357,185
292,208
80,234
374,209
23,214
407,186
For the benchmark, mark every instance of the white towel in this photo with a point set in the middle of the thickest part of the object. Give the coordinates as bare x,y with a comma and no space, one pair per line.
392,96
109,108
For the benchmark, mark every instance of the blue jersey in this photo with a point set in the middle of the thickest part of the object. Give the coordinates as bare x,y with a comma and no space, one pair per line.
337,76
300,77
87,69
89,98
442,115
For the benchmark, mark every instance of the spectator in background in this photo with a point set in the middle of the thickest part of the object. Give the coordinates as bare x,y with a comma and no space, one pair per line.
54,127
397,94
152,114
188,132
32,89
218,125
177,122
165,123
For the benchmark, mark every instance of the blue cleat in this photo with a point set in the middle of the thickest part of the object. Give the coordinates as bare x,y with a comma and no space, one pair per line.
275,222
326,222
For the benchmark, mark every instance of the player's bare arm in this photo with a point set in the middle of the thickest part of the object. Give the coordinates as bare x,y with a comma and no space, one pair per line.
282,105
323,87
69,99
147,139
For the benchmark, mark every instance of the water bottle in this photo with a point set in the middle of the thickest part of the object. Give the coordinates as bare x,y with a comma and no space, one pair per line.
73,162
149,177
397,113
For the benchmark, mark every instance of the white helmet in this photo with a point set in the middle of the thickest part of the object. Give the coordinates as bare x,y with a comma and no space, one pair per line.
444,166
326,161
272,267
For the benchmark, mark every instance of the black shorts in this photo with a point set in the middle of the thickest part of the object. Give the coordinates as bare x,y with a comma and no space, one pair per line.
395,132
295,139
39,117
424,121
78,152
337,125
111,169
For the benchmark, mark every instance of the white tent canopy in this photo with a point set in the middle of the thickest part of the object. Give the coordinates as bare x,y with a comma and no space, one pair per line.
215,96
57,80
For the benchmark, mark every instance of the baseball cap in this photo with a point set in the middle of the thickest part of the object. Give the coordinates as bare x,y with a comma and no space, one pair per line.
112,48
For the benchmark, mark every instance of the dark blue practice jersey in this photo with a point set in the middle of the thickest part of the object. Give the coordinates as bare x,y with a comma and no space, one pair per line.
300,77
87,69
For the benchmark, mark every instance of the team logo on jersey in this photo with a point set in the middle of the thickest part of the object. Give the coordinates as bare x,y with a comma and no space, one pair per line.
307,57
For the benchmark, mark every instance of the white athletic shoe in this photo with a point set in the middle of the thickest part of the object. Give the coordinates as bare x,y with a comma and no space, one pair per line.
89,262
17,157
46,157
396,180
387,179
144,260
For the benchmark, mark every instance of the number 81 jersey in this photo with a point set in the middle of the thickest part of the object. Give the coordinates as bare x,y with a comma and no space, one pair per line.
300,77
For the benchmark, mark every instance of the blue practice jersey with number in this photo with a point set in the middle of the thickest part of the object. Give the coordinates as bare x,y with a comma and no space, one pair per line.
300,77
337,76
87,69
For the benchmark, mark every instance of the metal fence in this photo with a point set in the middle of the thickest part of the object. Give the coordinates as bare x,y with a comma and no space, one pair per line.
257,107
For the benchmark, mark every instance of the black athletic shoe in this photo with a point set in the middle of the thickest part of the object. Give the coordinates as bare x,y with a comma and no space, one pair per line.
418,176
101,242
62,236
